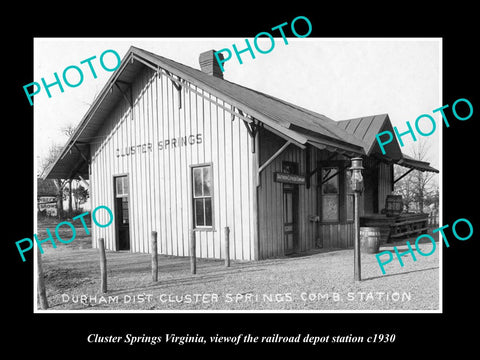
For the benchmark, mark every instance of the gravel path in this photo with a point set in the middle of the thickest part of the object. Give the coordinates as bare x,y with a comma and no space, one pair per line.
319,281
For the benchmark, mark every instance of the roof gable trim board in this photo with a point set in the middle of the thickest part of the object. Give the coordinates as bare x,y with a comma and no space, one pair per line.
96,103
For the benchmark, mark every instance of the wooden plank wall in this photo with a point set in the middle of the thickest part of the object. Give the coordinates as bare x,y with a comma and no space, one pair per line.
370,188
337,235
270,207
342,235
384,183
160,180
381,176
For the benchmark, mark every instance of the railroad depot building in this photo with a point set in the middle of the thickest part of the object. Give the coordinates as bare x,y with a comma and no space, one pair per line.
170,148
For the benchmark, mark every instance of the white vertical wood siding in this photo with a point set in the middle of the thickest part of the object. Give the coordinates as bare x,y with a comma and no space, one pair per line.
160,193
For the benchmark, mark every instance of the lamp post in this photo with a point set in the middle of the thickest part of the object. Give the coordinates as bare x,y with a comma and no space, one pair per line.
357,187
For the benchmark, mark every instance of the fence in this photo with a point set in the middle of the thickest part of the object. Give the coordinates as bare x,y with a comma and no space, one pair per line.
433,218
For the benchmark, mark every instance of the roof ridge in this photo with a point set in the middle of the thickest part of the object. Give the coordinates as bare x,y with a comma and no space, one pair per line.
328,125
361,117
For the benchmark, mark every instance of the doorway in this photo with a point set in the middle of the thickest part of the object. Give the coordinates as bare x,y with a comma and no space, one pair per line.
122,219
289,221
290,210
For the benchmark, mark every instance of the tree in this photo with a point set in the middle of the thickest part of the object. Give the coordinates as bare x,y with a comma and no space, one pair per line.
424,187
69,130
44,164
418,189
81,195
60,184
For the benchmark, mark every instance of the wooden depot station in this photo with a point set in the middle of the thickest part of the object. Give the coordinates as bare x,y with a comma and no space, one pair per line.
172,149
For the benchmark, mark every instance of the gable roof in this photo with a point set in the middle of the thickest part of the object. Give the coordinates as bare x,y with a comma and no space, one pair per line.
301,126
366,128
268,109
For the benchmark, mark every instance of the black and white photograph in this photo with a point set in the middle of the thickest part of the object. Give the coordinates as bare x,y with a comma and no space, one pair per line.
228,182
262,187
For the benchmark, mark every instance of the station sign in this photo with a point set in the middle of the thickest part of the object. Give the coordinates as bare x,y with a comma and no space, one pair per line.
289,178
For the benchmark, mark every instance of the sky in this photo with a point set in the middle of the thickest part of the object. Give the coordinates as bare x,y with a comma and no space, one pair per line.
338,77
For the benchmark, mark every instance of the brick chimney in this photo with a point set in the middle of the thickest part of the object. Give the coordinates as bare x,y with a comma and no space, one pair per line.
209,65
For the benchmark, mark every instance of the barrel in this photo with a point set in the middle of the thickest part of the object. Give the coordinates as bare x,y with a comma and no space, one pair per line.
370,240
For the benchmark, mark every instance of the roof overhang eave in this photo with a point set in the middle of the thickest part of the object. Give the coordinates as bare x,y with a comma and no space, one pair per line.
416,165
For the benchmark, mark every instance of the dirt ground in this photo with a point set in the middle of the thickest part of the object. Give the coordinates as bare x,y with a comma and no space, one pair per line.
319,280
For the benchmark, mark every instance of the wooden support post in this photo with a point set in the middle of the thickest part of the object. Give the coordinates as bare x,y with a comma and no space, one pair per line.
42,294
227,246
256,164
154,257
256,181
103,265
357,265
308,151
193,258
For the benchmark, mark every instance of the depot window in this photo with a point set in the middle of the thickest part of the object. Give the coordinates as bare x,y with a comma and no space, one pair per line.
121,195
330,194
202,196
336,195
